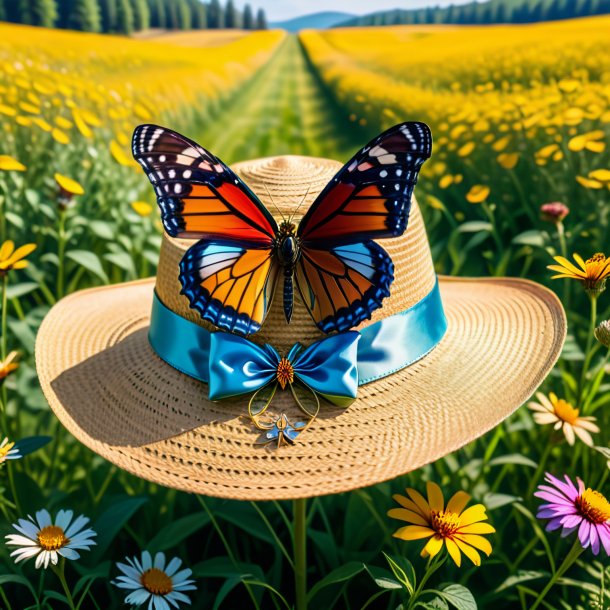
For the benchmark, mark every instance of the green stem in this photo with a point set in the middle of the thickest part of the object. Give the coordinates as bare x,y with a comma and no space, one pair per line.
61,247
571,557
434,563
59,570
300,553
223,539
541,465
4,349
588,350
563,248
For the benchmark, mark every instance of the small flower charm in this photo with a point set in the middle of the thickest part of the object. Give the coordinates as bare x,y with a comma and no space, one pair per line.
280,430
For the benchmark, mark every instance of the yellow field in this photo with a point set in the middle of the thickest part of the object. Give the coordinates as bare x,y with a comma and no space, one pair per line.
497,98
197,38
58,88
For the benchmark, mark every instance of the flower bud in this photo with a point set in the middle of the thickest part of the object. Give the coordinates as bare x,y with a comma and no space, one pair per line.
554,212
602,333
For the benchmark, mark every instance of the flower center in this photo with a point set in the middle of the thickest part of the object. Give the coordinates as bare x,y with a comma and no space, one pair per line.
445,524
565,411
598,257
285,373
593,506
4,450
51,538
157,582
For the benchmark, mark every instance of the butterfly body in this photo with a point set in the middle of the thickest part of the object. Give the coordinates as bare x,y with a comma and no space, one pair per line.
332,257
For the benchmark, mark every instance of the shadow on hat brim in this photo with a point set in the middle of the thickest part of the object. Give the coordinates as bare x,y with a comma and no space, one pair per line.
115,395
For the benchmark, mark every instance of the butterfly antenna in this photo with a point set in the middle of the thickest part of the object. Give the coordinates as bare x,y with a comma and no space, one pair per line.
300,204
273,203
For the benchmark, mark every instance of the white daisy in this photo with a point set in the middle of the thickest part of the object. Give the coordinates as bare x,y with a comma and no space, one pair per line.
151,580
564,416
8,451
50,540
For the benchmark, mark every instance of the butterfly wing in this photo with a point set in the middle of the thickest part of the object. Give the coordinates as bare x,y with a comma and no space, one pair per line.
230,285
370,197
342,286
199,196
230,275
343,276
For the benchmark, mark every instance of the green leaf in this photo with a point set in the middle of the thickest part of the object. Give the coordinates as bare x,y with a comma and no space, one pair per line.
18,580
112,521
533,237
438,603
474,226
226,588
494,501
341,574
408,580
176,531
383,578
32,443
18,290
513,458
14,219
102,229
459,597
90,261
21,329
519,577
122,260
223,567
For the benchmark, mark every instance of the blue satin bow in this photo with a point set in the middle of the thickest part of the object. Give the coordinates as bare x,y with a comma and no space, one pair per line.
327,367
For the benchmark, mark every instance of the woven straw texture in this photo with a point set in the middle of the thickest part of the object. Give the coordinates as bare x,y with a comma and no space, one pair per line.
114,393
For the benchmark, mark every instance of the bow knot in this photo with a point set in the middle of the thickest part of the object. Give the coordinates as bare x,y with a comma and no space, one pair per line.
327,367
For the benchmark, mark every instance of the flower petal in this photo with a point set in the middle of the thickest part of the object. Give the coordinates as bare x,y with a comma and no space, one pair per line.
471,553
458,502
473,514
478,542
454,551
407,515
413,532
435,497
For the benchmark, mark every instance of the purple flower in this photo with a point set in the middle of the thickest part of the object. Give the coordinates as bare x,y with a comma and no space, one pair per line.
572,508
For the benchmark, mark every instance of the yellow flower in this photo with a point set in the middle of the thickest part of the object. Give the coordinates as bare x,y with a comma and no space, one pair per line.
466,150
568,85
589,184
14,259
8,365
10,164
68,186
446,181
143,208
564,416
458,529
477,194
589,141
592,273
601,175
435,202
60,136
508,160
119,156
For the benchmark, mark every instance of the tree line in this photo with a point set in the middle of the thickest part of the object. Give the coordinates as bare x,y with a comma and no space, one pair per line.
493,11
128,16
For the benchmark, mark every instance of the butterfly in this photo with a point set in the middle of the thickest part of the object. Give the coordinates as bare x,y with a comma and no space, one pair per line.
230,275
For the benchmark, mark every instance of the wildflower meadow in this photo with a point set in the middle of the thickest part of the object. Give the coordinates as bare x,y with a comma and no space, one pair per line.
518,185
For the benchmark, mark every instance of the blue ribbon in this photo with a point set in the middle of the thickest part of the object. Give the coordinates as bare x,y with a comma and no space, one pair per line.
333,366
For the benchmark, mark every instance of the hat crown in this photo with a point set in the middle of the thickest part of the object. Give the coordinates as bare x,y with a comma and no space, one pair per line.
288,185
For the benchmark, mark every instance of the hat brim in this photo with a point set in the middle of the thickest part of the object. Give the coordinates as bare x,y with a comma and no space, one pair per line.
114,394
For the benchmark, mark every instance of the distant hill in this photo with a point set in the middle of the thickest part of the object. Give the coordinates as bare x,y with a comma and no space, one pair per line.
490,11
315,21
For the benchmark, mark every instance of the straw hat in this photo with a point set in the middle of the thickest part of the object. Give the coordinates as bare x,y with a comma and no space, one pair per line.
111,390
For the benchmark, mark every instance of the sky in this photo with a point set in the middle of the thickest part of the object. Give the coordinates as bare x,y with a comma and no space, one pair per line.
278,10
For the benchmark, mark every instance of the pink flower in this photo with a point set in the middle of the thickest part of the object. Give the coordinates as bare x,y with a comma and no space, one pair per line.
571,508
554,212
